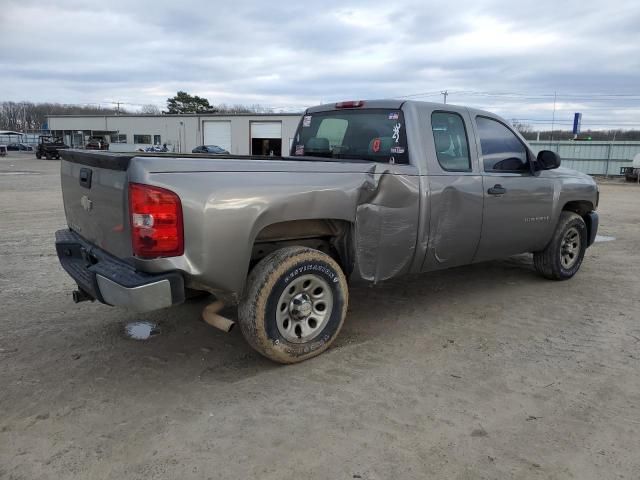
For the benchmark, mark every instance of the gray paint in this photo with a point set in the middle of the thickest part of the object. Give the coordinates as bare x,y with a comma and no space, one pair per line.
404,218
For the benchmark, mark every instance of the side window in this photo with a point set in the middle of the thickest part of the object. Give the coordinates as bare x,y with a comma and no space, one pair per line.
450,137
502,151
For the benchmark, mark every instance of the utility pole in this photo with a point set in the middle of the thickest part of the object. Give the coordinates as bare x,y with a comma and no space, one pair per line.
444,94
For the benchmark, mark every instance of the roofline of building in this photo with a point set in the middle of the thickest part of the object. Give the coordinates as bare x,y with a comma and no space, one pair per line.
181,115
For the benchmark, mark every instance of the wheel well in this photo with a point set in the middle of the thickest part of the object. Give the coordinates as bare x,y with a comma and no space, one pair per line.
581,207
327,235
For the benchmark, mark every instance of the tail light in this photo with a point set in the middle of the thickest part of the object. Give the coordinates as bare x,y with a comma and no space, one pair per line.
350,104
156,222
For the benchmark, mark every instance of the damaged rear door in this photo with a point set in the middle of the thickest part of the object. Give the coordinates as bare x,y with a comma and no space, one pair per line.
455,190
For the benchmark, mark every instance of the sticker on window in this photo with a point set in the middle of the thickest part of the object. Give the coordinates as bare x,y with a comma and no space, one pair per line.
299,149
396,132
394,116
398,150
376,145
306,121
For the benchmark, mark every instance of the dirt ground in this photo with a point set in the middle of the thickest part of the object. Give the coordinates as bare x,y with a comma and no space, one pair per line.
486,371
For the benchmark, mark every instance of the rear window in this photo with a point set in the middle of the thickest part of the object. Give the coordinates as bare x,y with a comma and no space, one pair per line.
377,135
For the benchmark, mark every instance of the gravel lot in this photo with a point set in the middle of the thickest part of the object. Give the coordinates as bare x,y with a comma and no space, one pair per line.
486,371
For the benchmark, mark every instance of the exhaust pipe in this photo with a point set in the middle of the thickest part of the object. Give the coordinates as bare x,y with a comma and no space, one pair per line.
81,296
210,316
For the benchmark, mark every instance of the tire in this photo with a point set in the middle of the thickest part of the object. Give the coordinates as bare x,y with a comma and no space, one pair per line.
47,156
286,293
57,157
562,257
39,156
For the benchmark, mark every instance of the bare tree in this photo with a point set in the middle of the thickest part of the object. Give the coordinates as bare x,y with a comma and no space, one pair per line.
23,116
523,128
150,109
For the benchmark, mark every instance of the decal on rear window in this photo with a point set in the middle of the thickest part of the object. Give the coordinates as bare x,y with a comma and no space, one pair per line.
299,149
396,132
306,121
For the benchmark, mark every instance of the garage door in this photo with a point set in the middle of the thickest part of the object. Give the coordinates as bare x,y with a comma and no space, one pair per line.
266,130
218,133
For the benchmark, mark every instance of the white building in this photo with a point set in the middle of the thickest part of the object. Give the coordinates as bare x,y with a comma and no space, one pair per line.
240,134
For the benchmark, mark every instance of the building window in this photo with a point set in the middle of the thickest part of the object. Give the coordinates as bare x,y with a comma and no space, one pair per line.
142,139
118,138
157,140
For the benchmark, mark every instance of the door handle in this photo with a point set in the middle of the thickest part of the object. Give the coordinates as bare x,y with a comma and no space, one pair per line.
497,189
85,177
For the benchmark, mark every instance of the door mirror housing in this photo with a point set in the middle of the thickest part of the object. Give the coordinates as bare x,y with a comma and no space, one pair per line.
548,160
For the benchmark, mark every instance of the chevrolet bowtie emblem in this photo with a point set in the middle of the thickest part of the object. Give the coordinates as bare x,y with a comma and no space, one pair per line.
86,203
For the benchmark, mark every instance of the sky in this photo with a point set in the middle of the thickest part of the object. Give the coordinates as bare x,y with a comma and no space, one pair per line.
507,57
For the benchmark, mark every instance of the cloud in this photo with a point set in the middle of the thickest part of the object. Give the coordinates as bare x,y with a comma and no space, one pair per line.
290,55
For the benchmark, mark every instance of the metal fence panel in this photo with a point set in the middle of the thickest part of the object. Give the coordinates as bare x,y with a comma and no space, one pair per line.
593,158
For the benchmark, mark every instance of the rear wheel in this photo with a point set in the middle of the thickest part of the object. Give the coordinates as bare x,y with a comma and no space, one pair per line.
38,155
47,156
562,257
294,305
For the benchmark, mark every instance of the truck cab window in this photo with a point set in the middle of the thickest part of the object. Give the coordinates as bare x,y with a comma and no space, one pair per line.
376,135
502,151
450,138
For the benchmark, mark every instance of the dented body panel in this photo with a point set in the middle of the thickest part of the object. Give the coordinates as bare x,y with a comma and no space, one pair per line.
384,219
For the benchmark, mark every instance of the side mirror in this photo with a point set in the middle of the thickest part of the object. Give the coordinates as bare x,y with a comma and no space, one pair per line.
548,160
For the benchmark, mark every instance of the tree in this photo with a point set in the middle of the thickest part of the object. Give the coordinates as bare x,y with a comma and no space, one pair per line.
185,103
150,109
23,116
523,128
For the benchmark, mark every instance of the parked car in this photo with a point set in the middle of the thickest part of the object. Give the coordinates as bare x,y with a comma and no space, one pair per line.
372,191
49,147
215,149
96,143
632,173
3,150
157,149
19,147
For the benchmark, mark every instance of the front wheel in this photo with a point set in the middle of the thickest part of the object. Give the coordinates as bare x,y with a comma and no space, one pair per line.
294,304
562,257
38,155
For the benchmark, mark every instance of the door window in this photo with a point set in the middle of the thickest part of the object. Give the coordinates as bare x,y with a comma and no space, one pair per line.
502,151
450,138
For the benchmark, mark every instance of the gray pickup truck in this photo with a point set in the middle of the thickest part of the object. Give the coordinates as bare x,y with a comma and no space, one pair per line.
372,190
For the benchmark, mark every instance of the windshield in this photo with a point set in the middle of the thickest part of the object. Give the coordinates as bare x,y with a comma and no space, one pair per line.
374,134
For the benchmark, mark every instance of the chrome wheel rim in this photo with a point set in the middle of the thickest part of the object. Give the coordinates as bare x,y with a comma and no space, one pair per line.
570,248
304,308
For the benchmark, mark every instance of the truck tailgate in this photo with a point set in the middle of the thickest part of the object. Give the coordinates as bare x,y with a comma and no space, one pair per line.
94,192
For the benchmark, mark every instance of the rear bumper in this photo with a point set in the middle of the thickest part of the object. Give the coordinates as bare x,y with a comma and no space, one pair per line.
592,221
114,282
